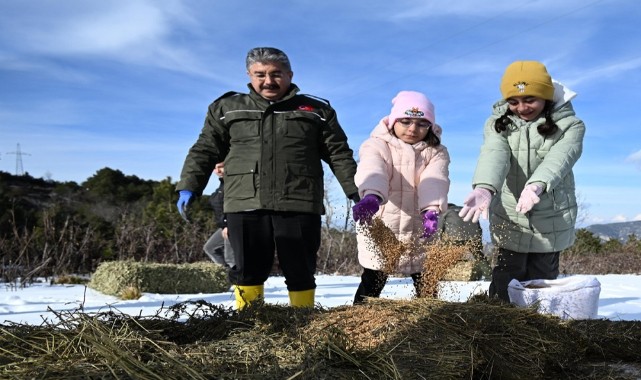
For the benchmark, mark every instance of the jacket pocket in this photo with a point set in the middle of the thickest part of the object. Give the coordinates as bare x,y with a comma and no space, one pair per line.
301,125
555,212
240,180
303,182
243,125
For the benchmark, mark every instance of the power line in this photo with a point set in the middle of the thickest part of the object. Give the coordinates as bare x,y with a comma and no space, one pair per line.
19,153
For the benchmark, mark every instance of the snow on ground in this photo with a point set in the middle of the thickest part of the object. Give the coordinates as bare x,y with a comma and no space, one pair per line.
620,297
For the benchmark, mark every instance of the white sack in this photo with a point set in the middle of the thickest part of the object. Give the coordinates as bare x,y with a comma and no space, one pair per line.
574,297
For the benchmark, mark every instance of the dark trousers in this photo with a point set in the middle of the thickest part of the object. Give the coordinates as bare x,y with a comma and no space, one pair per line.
523,267
254,236
373,282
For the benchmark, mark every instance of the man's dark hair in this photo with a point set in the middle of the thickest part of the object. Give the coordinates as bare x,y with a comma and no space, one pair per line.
267,54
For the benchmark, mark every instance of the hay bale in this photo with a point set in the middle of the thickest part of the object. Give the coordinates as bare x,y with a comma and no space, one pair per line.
114,277
461,271
469,269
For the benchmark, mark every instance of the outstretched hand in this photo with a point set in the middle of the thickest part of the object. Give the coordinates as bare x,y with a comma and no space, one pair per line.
476,205
365,209
529,197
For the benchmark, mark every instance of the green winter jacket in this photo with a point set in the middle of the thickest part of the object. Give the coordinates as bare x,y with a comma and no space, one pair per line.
272,152
519,156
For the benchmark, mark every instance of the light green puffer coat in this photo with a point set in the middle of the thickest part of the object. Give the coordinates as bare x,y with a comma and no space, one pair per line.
519,156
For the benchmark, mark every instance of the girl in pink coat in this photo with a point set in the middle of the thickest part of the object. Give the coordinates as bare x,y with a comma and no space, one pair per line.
403,178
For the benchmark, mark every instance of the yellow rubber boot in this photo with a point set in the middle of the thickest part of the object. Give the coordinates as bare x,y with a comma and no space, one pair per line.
246,294
302,298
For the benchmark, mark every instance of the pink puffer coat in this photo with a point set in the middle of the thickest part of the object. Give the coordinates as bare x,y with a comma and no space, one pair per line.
409,179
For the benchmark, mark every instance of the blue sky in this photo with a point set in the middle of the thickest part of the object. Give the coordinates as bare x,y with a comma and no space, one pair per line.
125,84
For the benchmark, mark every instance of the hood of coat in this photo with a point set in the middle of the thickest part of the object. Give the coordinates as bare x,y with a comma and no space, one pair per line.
562,94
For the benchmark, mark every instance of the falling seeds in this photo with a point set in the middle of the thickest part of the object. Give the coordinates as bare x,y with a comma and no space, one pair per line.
441,257
389,248
441,254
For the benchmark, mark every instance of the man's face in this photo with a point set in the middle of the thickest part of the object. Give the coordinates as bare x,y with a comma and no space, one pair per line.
270,80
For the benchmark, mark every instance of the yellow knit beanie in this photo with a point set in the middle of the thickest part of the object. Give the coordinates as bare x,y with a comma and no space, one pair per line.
527,78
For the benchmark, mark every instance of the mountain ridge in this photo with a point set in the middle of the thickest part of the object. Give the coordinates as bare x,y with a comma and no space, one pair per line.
619,230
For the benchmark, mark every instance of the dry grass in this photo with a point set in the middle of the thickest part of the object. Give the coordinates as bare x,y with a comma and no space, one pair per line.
131,292
382,339
600,263
70,280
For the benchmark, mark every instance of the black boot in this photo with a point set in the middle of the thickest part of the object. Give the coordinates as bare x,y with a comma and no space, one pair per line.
372,284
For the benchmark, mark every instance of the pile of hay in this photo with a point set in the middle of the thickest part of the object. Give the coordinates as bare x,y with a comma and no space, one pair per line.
382,339
116,277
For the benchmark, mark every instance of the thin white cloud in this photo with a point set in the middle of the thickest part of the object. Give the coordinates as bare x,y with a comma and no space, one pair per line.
420,9
619,218
40,67
637,217
635,158
141,32
608,71
59,112
595,220
107,27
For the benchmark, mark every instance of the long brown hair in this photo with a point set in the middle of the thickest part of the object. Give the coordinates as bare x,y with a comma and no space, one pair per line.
546,129
431,138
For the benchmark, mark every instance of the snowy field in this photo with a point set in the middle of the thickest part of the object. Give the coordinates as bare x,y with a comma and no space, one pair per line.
620,297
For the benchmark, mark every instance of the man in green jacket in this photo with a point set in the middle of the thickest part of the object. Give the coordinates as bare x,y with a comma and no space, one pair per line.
272,141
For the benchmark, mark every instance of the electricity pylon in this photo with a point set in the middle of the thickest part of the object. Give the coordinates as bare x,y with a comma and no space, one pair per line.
19,154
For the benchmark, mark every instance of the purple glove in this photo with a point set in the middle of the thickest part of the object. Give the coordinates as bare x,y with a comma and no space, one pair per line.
475,205
529,197
365,209
430,222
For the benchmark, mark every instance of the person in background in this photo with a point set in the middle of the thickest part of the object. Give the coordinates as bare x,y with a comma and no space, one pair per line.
272,141
403,178
524,176
217,246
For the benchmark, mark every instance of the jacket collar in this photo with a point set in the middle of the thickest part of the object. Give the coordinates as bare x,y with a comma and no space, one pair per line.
293,90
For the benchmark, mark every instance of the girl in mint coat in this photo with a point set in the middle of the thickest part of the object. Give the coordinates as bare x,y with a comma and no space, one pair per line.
524,176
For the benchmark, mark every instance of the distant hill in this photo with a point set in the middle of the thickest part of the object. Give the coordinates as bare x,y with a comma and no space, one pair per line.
619,231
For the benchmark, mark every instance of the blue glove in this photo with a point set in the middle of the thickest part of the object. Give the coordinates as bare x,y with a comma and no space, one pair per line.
185,197
365,209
